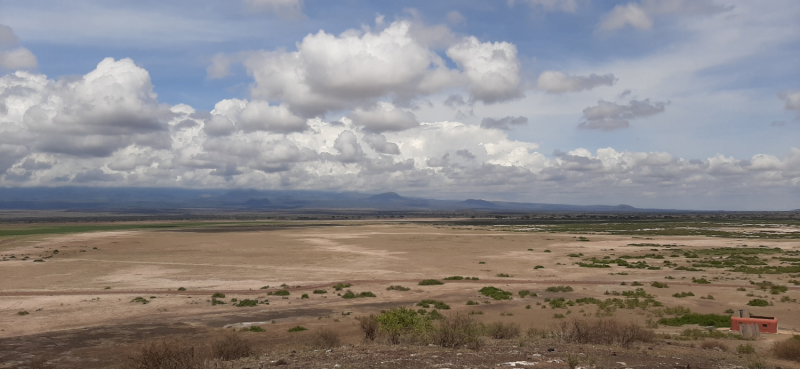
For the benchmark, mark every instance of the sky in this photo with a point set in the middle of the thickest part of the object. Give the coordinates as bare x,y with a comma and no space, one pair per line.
679,104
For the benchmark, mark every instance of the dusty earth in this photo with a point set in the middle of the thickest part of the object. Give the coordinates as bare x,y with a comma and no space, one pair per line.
80,311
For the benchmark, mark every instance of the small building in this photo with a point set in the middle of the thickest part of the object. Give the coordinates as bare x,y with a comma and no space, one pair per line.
766,324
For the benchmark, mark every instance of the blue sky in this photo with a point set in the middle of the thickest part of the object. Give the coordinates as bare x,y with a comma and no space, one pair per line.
657,103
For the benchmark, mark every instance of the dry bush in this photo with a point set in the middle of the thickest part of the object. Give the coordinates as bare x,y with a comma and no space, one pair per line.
501,331
604,332
536,333
326,339
369,325
231,347
165,354
788,349
710,345
456,331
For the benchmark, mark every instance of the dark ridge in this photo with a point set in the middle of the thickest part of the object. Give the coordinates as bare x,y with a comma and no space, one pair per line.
386,196
479,203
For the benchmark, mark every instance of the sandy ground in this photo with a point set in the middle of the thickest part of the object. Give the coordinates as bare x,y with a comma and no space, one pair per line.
89,284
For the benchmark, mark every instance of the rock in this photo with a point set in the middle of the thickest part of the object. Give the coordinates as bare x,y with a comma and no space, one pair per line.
551,349
281,362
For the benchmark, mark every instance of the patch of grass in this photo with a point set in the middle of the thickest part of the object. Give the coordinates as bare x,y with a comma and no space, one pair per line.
481,262
758,302
340,286
320,292
22,312
715,320
558,316
230,347
659,285
583,239
559,289
700,281
636,284
470,302
788,349
539,267
503,331
503,275
298,328
255,328
215,302
547,251
495,293
181,288
575,255
218,295
436,304
352,295
430,282
140,300
264,287
397,288
454,278
280,293
683,294
304,296
603,332
524,293
745,349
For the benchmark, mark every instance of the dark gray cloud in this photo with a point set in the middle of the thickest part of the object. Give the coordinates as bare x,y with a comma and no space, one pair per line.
610,116
96,175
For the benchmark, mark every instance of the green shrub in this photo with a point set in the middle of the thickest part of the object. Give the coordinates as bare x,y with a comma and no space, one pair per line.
215,302
636,284
396,323
298,328
282,293
430,282
140,300
524,293
22,312
436,304
181,289
547,251
256,328
470,302
264,287
304,296
454,278
758,302
320,292
397,288
775,290
340,286
682,294
481,262
539,267
705,320
700,281
559,289
352,295
503,275
659,285
218,295
558,316
495,293
246,303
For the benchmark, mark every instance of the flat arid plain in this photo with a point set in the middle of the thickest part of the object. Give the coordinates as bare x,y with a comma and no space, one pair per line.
97,296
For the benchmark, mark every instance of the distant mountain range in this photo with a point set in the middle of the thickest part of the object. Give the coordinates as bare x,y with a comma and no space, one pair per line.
92,198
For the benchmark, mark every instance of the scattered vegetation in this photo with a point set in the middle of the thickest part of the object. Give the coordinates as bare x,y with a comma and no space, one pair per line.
397,288
340,286
503,275
659,285
298,328
218,295
436,304
524,293
320,292
706,320
682,294
788,349
430,282
559,289
353,295
603,332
